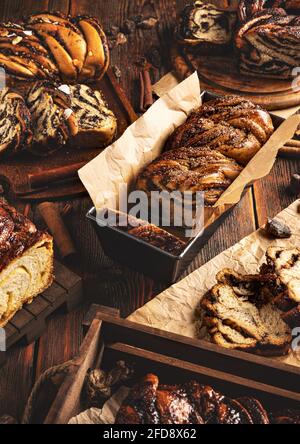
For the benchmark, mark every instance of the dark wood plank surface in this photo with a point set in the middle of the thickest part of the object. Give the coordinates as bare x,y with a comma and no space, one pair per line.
105,282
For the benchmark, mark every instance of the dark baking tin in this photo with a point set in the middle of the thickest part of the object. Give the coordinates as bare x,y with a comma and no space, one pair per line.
148,259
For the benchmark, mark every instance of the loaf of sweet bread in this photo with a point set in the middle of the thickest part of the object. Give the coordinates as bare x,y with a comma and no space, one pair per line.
54,46
26,266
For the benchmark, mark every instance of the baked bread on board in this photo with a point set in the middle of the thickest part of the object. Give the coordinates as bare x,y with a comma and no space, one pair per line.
54,46
26,266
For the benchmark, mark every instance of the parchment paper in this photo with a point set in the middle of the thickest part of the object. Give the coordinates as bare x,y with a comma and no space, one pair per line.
144,140
174,309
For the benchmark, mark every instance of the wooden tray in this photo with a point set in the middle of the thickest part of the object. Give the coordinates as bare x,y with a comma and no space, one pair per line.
14,172
174,359
220,74
30,322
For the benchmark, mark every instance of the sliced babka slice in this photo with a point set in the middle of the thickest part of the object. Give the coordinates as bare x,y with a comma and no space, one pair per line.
53,119
235,322
204,26
269,44
96,123
15,123
26,265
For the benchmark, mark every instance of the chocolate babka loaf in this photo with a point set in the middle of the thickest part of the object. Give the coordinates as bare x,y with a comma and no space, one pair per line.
231,125
237,317
26,265
53,119
15,123
54,46
268,44
202,27
190,169
150,402
96,123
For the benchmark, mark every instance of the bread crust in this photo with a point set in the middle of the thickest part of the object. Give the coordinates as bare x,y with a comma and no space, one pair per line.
54,46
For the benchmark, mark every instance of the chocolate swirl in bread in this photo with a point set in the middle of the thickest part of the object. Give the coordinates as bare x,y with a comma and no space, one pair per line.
268,44
231,125
26,262
190,169
239,317
97,124
53,119
54,46
15,123
203,26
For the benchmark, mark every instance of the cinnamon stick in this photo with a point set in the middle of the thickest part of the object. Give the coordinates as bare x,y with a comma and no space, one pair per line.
52,217
146,94
53,175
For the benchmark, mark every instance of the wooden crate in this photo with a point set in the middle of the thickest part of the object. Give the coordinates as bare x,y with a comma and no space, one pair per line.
173,359
30,322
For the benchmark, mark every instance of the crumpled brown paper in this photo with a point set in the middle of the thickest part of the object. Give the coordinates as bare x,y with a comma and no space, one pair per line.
174,309
144,140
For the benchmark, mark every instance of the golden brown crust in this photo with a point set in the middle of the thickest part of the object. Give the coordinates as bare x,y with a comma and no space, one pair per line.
53,45
190,169
231,125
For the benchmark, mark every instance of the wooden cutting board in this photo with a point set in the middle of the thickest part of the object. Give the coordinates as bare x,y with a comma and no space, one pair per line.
220,74
14,172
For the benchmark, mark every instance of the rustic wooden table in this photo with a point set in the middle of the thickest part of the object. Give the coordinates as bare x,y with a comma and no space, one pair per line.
105,282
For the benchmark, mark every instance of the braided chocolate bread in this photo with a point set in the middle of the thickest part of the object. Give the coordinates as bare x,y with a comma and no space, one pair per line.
54,46
150,402
190,169
15,123
231,125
